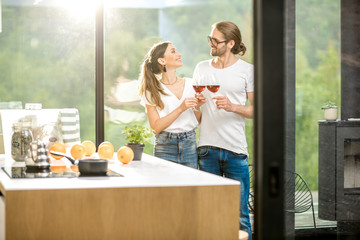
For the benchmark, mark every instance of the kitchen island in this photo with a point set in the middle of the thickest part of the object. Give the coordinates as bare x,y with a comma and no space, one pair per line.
155,199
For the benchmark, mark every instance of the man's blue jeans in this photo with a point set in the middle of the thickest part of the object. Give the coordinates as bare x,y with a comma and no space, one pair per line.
231,165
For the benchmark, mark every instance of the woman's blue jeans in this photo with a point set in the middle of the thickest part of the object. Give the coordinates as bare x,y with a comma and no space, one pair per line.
231,165
177,147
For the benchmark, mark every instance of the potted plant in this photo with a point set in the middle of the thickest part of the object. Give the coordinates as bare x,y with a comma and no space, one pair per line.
136,136
330,111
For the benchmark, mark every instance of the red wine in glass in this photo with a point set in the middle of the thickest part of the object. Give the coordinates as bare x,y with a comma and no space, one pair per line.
198,88
213,88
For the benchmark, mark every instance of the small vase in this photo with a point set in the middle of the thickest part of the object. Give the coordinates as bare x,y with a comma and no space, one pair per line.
138,150
330,114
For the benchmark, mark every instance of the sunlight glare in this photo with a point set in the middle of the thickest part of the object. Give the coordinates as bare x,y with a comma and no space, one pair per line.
81,8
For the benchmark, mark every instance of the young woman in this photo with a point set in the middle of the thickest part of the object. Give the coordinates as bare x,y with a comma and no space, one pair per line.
171,106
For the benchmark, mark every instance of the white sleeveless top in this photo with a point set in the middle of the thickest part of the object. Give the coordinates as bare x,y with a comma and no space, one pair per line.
187,120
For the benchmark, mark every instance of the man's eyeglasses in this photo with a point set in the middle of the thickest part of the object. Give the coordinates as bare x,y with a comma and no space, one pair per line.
214,41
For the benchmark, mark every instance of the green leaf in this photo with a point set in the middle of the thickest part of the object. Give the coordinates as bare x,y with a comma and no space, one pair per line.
137,134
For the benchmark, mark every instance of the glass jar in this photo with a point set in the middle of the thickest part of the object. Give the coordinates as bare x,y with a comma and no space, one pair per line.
21,139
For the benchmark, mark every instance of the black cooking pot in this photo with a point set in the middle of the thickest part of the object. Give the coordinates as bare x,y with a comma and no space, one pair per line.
87,166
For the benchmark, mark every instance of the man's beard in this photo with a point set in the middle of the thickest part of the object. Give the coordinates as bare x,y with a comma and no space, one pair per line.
218,51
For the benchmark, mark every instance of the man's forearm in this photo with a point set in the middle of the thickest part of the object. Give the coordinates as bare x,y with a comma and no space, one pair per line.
247,111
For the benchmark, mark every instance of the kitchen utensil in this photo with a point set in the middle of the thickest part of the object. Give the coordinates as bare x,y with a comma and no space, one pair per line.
87,166
38,160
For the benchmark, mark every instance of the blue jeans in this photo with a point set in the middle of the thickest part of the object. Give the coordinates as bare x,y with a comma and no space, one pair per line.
231,165
177,147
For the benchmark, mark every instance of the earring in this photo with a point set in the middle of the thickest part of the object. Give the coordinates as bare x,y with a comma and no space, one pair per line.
164,68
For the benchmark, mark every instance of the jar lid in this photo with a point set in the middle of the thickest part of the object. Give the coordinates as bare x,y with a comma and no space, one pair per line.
26,124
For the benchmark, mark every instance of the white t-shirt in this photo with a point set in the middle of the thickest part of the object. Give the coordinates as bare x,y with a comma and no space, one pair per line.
187,120
221,128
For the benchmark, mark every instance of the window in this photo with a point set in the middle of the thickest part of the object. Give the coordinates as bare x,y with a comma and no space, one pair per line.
131,29
47,55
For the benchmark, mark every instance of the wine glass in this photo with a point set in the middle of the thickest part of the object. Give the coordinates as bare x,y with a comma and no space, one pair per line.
199,86
213,85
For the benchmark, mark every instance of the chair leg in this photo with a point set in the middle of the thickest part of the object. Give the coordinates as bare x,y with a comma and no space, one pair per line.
312,207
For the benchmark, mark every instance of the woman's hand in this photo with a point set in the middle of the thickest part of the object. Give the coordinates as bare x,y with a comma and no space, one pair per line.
201,100
188,103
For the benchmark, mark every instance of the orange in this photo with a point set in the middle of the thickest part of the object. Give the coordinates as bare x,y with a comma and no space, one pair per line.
90,147
107,143
77,151
57,166
58,169
57,147
74,168
106,151
125,154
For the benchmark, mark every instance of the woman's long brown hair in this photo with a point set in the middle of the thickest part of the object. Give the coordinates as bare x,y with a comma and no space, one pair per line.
149,85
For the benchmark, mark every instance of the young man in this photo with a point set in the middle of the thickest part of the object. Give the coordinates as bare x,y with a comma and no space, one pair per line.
222,141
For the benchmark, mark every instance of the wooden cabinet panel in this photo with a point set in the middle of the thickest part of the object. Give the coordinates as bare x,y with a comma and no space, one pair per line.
192,212
2,217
